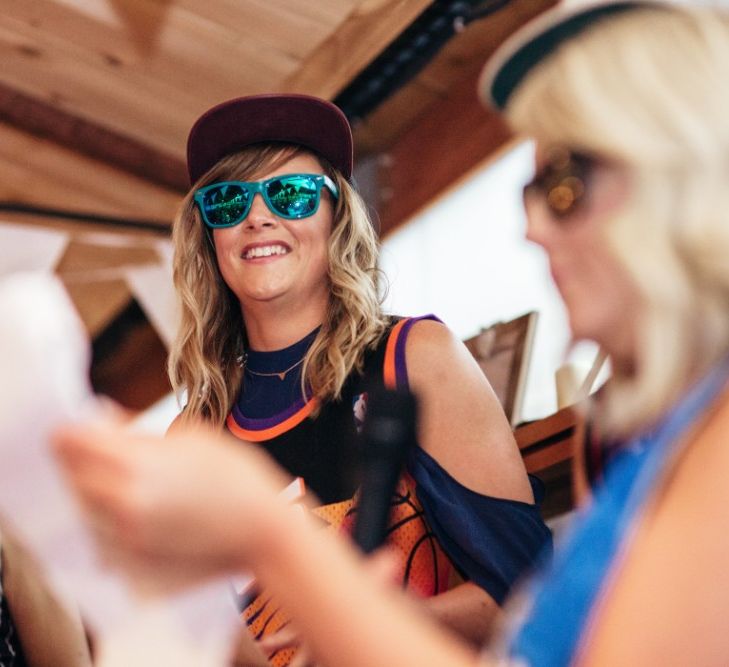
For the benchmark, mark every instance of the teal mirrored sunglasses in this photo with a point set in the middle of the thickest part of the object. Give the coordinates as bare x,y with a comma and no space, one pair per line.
289,196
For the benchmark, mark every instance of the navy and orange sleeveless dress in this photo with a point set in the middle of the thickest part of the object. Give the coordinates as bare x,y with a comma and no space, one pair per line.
436,525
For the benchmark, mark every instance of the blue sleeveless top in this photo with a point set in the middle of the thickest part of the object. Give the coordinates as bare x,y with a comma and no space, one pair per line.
550,616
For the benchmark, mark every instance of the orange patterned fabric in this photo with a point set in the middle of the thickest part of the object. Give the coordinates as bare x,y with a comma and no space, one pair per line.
424,567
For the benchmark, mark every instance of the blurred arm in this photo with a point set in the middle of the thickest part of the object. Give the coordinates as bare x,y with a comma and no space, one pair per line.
195,505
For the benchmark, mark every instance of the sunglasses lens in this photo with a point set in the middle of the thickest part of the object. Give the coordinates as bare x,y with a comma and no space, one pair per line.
564,197
562,182
293,196
225,205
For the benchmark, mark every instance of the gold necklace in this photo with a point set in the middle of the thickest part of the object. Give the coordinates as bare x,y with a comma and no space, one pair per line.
280,374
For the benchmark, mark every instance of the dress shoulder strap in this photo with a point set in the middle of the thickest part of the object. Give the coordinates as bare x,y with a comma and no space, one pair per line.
394,370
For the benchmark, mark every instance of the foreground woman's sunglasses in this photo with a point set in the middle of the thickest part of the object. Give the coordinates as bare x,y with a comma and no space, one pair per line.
561,182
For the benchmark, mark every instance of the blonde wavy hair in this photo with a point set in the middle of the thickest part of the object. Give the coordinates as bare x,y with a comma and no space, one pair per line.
203,361
649,89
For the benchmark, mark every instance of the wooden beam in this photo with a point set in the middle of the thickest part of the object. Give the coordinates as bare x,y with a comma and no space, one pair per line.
38,172
455,61
451,139
365,33
43,120
430,141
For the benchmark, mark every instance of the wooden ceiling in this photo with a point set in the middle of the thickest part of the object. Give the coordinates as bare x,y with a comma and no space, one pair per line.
97,97
123,80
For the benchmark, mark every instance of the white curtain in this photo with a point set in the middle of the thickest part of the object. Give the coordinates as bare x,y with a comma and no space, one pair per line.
25,248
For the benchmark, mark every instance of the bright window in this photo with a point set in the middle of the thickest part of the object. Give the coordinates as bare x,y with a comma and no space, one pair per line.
465,259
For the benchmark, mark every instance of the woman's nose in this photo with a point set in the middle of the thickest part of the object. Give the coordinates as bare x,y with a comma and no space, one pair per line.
538,223
260,215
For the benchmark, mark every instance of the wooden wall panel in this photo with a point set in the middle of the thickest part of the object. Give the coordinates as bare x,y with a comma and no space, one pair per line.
429,140
452,139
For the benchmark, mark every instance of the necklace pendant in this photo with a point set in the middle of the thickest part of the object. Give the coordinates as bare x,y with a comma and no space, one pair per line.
281,375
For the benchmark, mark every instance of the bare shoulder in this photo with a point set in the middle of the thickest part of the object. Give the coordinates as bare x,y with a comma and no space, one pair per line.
439,362
462,423
433,349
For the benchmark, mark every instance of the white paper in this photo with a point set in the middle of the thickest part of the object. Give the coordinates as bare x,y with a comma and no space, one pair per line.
44,361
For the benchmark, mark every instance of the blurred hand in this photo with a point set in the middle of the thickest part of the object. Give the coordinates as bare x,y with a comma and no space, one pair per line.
247,651
191,505
288,637
384,567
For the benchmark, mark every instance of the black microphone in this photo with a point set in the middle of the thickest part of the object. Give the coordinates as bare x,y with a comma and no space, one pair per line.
388,437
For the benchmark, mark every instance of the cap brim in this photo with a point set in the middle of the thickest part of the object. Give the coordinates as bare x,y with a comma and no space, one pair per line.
307,121
516,57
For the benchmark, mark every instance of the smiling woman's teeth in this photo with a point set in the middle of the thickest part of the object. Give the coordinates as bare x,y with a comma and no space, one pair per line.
265,251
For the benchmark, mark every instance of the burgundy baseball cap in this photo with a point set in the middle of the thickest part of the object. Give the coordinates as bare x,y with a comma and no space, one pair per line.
308,121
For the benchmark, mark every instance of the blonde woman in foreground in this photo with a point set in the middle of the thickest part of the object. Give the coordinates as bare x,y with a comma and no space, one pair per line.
628,103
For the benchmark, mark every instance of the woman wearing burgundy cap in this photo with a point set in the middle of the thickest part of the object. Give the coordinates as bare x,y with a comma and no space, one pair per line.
282,333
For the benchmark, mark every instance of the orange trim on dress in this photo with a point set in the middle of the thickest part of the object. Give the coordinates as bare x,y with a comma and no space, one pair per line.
273,431
389,370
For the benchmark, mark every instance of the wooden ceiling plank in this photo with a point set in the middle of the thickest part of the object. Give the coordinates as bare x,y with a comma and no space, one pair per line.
208,33
44,120
291,27
91,68
366,32
129,118
157,109
40,172
122,103
295,14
